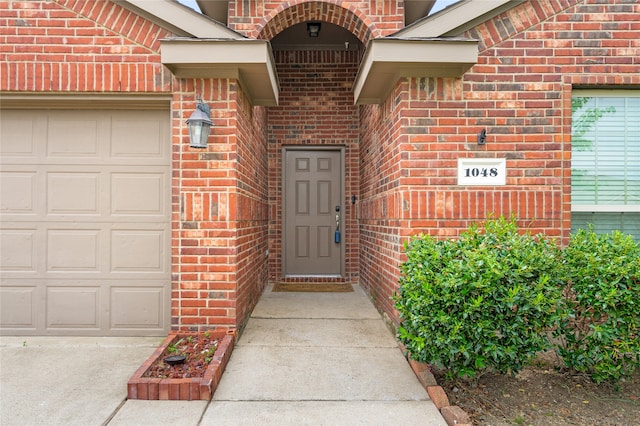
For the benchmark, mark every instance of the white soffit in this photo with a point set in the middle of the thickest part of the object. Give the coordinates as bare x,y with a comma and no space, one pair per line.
388,59
179,19
249,61
457,18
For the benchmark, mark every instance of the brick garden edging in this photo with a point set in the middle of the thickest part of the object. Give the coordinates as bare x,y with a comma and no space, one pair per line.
452,414
195,388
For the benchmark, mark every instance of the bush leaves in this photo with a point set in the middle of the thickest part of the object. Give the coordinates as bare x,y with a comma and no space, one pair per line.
491,298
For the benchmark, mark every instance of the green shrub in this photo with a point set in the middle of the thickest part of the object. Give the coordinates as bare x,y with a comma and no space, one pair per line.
483,301
602,334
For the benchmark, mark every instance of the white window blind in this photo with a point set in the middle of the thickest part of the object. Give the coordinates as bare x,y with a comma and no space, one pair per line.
605,165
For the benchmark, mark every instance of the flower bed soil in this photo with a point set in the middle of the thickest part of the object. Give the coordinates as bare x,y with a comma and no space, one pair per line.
206,356
542,394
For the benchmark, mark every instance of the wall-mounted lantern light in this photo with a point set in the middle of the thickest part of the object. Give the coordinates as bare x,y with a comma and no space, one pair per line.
313,28
199,126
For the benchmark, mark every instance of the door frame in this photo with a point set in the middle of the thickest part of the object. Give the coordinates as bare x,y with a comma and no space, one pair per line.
335,148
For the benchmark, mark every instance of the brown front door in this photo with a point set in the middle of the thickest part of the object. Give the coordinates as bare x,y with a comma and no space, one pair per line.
313,190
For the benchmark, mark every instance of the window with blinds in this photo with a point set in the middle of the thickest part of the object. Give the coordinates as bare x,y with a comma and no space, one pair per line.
605,165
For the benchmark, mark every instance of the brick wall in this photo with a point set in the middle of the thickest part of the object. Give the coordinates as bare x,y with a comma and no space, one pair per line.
368,19
381,140
220,214
204,189
56,47
530,59
252,208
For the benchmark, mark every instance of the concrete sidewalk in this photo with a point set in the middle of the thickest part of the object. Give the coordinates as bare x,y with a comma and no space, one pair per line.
67,380
303,359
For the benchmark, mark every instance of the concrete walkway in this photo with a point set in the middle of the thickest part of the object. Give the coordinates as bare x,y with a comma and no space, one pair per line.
303,359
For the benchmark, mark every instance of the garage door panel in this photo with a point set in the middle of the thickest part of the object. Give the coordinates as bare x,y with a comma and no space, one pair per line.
126,131
136,307
139,251
85,228
73,250
17,134
73,193
18,250
18,307
138,193
18,192
82,141
73,307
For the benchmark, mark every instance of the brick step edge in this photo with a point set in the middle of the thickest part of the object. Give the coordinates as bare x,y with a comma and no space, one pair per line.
452,414
195,388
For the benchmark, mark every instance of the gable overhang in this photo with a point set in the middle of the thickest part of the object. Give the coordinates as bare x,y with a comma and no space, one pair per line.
216,9
249,61
388,59
416,9
457,18
179,19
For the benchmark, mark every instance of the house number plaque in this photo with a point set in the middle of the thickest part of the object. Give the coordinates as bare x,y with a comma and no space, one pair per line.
482,171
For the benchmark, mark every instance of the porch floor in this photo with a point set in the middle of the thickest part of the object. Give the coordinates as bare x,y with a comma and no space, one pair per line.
303,359
319,358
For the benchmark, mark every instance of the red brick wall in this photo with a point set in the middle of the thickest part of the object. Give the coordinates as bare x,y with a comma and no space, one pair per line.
530,59
220,214
204,181
55,47
369,19
252,208
316,108
381,142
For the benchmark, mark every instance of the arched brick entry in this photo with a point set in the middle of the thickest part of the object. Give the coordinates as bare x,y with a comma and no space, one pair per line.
315,110
338,13
316,107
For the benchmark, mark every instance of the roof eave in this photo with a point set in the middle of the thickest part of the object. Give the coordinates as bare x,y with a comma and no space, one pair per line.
216,9
457,18
249,61
179,19
388,59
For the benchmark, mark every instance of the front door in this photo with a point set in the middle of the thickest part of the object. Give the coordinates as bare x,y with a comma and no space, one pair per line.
313,232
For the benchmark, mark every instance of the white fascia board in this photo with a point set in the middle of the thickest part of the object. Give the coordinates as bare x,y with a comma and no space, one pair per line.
180,19
250,61
454,19
386,60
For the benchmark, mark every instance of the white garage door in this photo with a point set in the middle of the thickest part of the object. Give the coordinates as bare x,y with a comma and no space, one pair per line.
85,222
